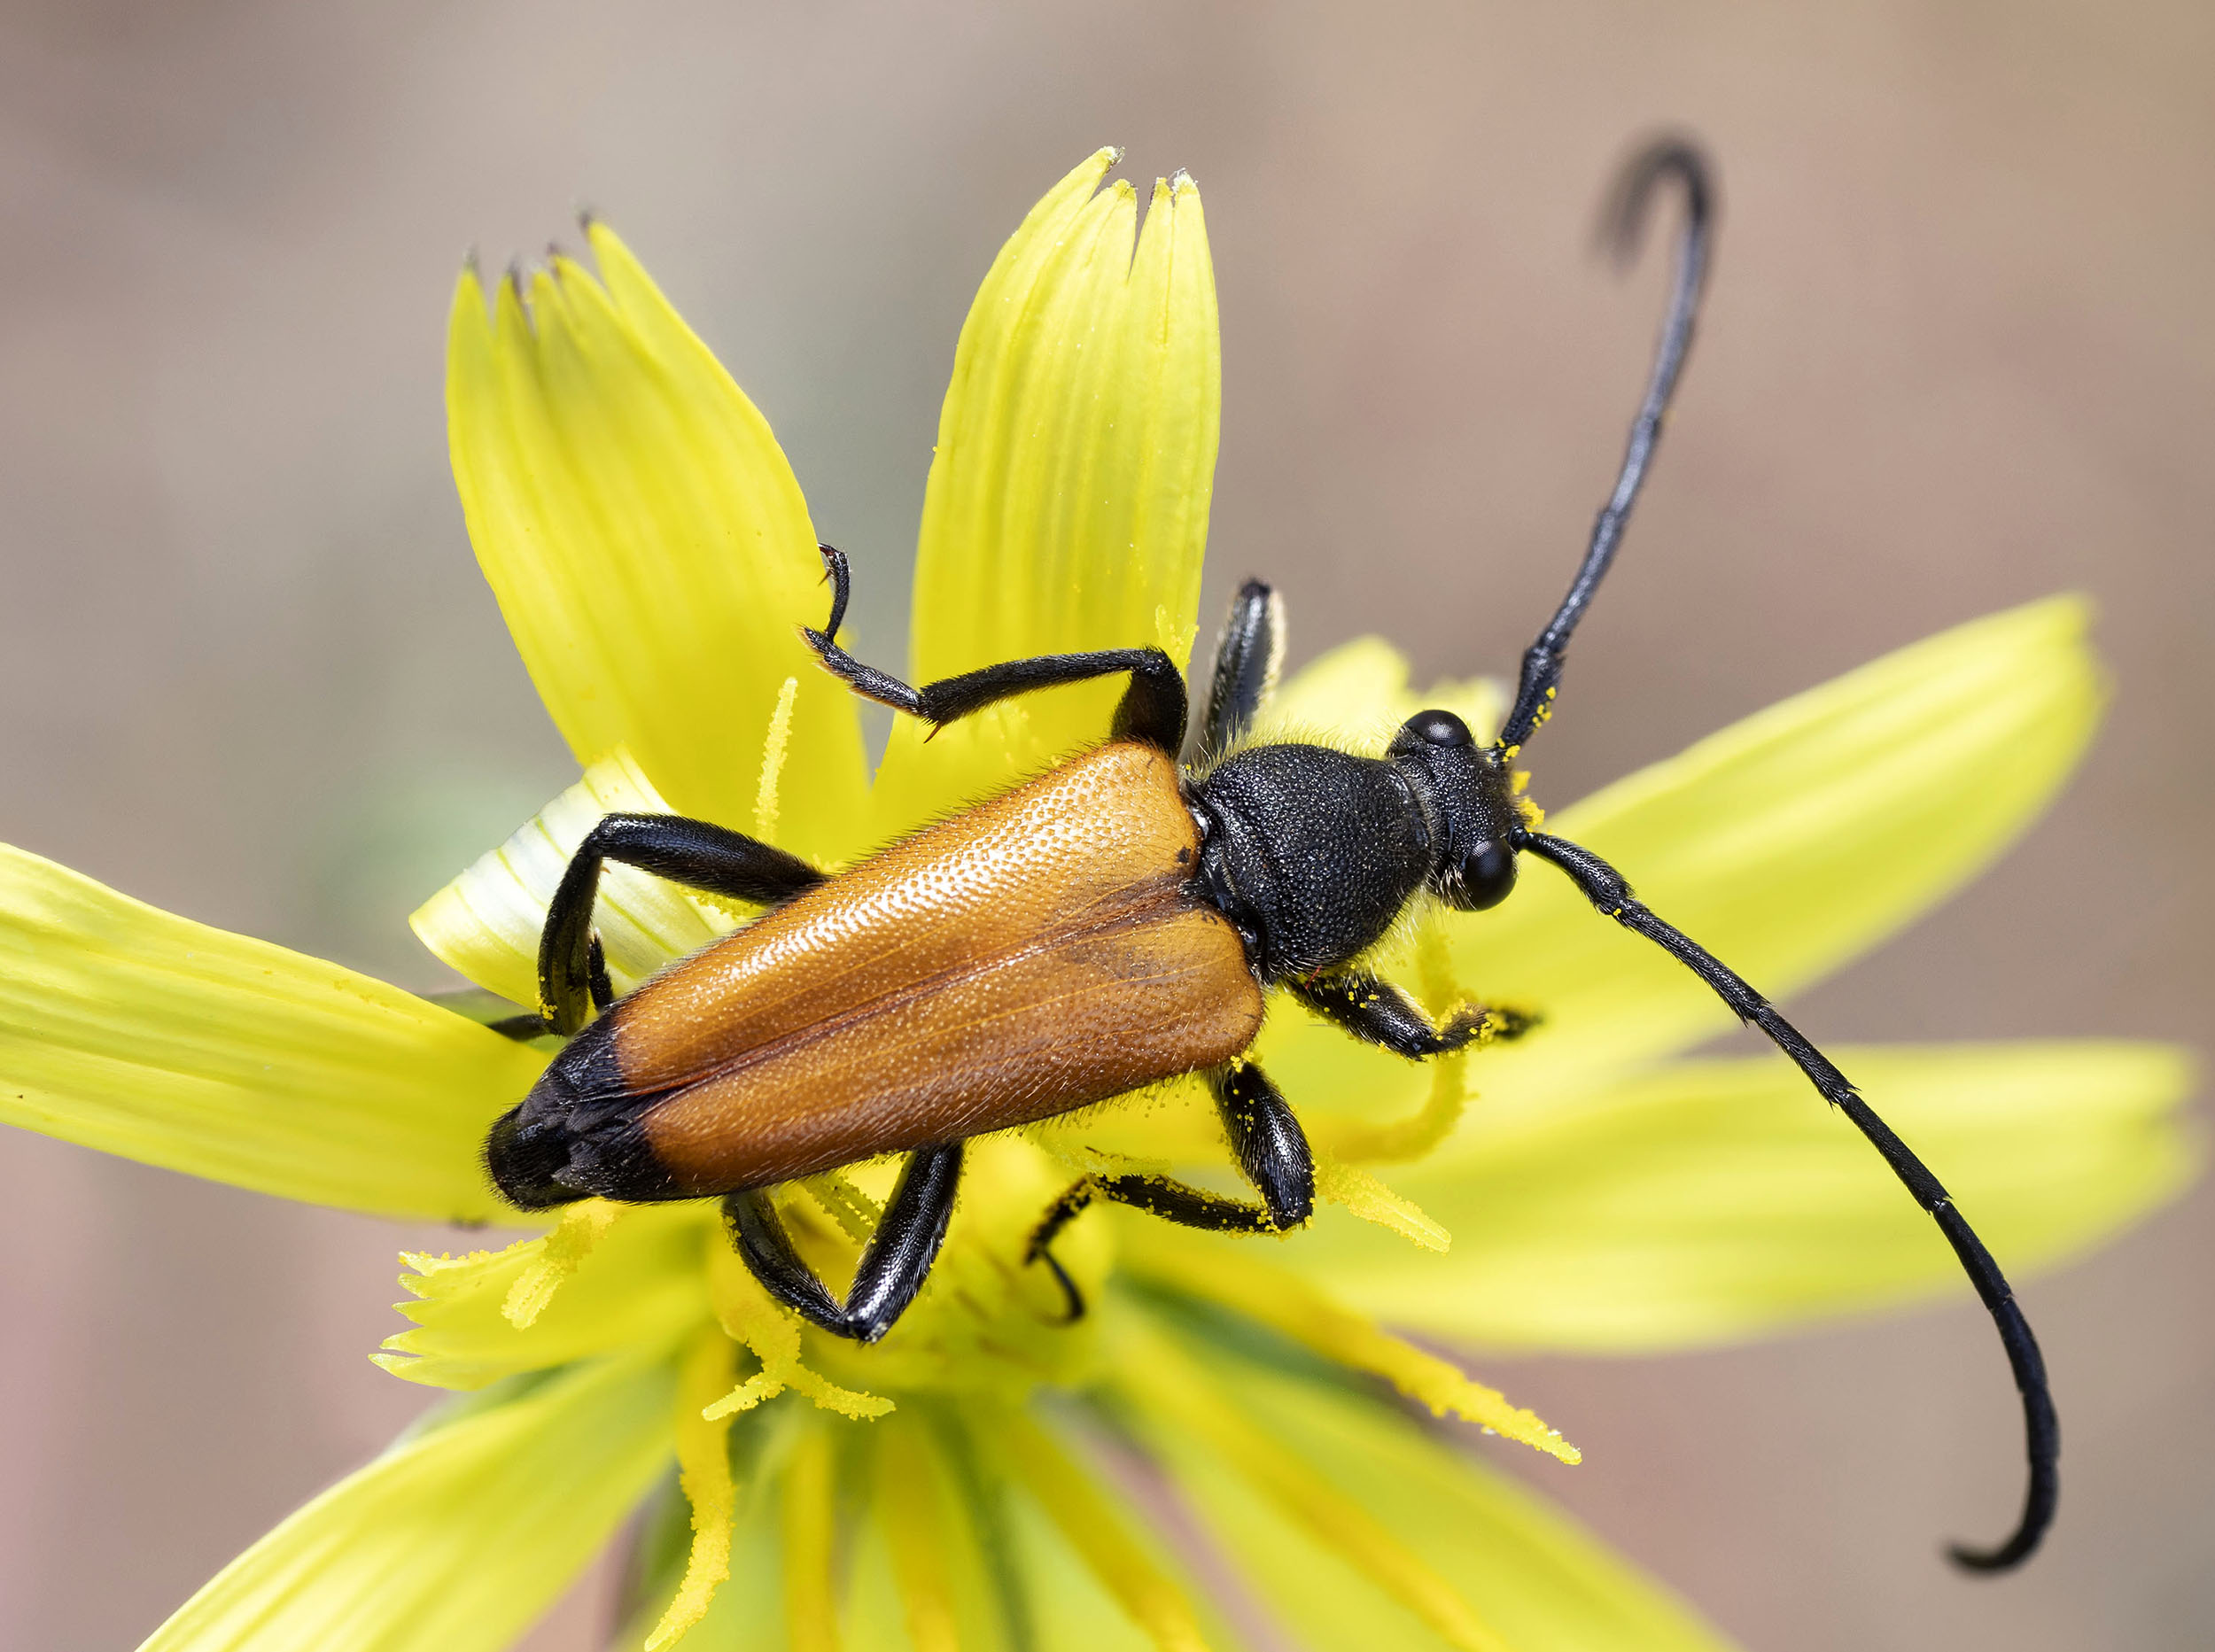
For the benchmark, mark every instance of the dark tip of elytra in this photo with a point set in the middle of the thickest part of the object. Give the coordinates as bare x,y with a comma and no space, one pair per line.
526,1162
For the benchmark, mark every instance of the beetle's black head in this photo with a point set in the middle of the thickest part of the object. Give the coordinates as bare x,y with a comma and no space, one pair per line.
1470,791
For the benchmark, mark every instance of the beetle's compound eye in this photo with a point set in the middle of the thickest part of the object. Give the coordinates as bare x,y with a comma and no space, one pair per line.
1482,878
1431,728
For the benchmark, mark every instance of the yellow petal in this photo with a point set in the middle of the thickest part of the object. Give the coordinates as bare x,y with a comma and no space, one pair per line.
456,1538
641,1286
809,1533
1067,503
1092,1525
1359,693
1786,844
486,923
1717,1199
148,1035
1233,1278
746,1613
750,1315
1354,1189
957,1547
1199,1431
575,1236
918,1519
1391,1496
703,1461
646,541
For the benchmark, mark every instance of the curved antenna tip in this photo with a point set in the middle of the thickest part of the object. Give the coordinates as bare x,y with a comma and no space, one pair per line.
1621,224
1990,1562
2022,1543
1620,232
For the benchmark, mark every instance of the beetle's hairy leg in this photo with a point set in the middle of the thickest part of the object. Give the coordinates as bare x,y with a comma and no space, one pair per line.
1174,1201
1246,660
1378,1013
894,1263
1158,1196
1267,1141
596,979
698,854
1065,1210
1153,708
1271,1152
1171,1201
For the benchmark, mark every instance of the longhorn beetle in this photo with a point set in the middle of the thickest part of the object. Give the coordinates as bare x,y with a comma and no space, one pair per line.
1113,923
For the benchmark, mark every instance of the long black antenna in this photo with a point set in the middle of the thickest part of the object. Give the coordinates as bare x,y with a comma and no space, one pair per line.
1605,888
1622,225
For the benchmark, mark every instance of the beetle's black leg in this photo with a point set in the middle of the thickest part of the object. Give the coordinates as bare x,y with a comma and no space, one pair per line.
596,974
492,1012
1246,657
893,1264
1271,1151
1378,1013
1171,1201
1272,1148
1152,710
696,853
1040,1252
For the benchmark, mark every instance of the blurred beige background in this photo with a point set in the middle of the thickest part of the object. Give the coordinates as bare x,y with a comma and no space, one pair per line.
1960,353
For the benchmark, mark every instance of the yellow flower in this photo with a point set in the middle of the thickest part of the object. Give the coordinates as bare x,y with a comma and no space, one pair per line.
989,1476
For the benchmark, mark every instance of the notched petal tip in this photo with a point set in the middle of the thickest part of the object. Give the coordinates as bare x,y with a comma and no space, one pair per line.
469,316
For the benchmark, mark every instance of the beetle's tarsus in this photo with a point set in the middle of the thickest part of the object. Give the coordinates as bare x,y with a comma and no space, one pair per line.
1070,1293
894,1262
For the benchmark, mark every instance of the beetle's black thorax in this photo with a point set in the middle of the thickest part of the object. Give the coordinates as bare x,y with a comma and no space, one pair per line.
1311,852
